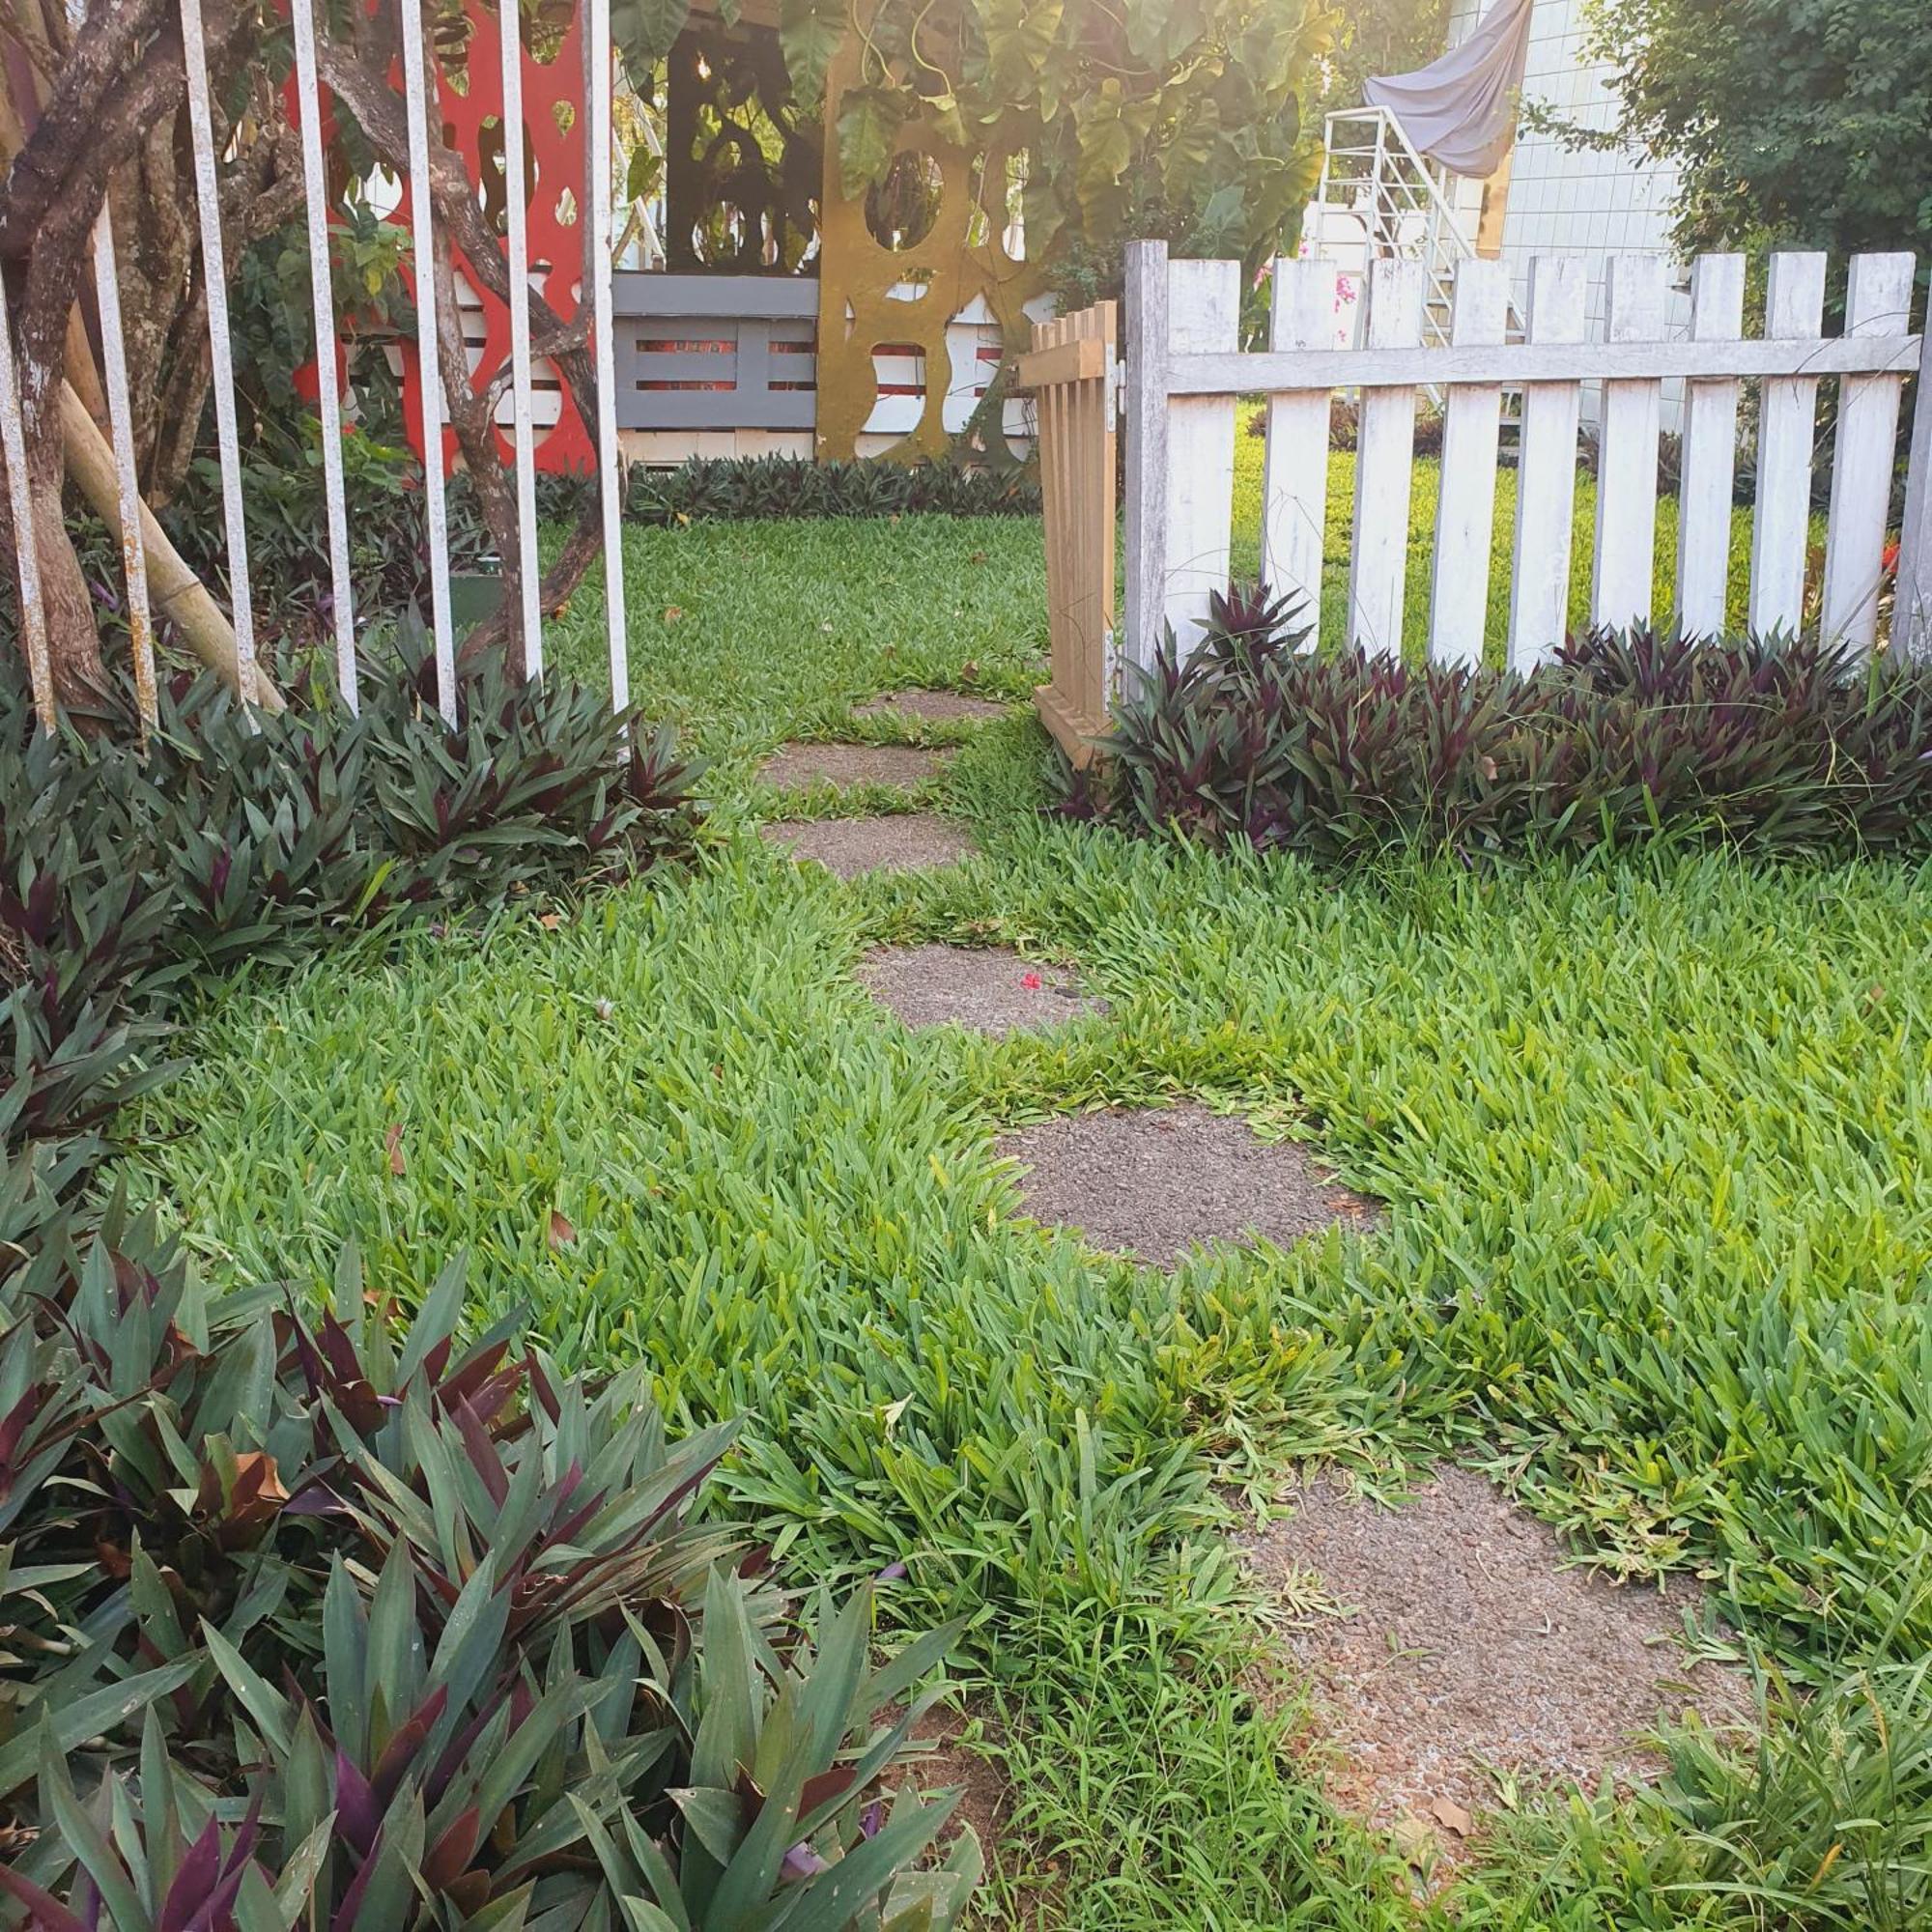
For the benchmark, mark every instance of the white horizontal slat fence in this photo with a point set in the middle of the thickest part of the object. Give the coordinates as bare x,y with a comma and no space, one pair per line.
1184,378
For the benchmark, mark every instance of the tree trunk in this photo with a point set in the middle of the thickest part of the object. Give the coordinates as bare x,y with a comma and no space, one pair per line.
178,593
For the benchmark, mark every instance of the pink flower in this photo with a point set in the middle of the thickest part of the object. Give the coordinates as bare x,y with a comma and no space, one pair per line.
1031,981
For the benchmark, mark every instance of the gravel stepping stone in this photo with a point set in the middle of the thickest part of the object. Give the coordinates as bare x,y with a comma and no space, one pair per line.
986,989
905,842
928,704
1444,1635
797,765
1155,1183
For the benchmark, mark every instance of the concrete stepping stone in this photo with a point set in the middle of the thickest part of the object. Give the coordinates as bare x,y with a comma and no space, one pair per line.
794,766
929,705
1156,1182
1447,1639
986,989
905,842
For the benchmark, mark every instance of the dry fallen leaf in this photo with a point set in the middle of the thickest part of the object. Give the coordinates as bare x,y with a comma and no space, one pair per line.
1488,767
550,920
1413,1839
561,1233
393,1141
1452,1817
672,612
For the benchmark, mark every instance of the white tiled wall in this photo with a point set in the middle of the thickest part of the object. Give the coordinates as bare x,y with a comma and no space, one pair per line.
1578,203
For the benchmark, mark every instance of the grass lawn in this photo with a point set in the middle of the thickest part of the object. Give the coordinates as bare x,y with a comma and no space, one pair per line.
1656,1138
1251,450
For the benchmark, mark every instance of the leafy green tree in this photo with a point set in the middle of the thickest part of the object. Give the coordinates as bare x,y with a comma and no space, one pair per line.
1806,121
1375,37
1182,118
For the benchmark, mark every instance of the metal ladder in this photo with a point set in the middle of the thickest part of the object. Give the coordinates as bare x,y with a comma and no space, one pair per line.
1377,196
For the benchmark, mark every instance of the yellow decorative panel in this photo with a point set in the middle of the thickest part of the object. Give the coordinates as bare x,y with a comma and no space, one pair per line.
857,273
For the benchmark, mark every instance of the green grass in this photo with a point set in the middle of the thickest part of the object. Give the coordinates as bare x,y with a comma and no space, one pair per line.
1250,451
1656,1138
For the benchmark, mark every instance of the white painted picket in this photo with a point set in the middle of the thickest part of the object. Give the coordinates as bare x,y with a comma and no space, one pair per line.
1184,378
1709,456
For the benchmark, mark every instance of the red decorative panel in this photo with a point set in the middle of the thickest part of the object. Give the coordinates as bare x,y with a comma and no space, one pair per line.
558,206
555,144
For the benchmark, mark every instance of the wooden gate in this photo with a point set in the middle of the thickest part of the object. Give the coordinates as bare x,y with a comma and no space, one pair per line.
1070,371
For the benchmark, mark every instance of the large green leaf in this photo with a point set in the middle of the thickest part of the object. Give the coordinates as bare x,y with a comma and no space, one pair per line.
811,33
644,31
869,119
74,1723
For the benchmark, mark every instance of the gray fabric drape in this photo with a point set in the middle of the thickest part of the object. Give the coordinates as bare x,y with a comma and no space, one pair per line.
1461,110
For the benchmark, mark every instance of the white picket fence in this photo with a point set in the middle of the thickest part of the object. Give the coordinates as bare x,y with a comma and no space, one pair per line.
419,82
1185,372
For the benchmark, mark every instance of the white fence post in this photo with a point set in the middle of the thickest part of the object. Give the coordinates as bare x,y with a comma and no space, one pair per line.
1621,588
327,386
516,222
1546,485
1708,468
1911,590
610,457
1384,460
1787,419
1204,313
26,544
221,354
1878,302
420,88
1294,492
1466,504
1147,320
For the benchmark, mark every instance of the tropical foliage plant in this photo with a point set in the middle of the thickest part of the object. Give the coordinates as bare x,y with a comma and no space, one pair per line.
1622,737
744,488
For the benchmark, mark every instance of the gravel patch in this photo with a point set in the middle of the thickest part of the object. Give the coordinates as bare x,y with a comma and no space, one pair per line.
928,704
986,989
794,766
1451,1644
1155,1183
903,842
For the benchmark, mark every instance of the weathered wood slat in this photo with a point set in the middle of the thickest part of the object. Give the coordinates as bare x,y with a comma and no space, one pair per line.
1626,565
1294,494
1710,446
1912,592
1878,302
1250,373
1546,491
1465,513
1148,348
1385,466
1076,459
1079,359
1788,420
1204,313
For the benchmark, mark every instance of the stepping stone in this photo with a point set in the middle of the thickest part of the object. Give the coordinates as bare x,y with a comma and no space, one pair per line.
928,704
792,767
986,989
1155,1183
1445,1637
905,842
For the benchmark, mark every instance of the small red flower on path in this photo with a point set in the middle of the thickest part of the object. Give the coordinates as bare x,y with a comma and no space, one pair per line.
1031,981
